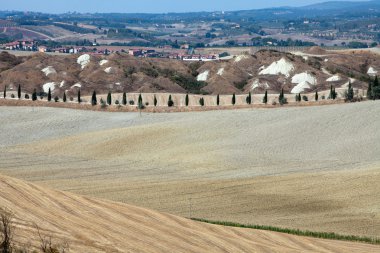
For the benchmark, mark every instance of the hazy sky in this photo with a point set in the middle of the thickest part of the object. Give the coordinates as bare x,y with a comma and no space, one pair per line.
146,6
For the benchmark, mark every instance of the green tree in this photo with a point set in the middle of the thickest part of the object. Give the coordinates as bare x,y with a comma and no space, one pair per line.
19,92
376,89
350,92
281,98
109,98
140,102
94,101
155,100
124,101
187,100
331,92
170,101
49,95
79,98
64,97
334,94
34,95
316,96
233,99
249,98
201,101
265,98
5,91
369,90
217,100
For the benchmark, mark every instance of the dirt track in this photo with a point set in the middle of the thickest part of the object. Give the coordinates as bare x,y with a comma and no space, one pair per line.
311,168
90,225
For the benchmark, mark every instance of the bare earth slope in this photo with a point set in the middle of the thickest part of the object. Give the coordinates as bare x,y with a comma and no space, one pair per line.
91,225
311,168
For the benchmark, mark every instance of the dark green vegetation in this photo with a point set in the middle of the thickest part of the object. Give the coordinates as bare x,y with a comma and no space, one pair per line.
323,235
373,91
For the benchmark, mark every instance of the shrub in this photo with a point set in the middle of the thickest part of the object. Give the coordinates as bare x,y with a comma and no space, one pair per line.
64,97
305,98
131,102
26,96
217,100
117,102
12,95
146,103
233,101
56,99
71,99
155,100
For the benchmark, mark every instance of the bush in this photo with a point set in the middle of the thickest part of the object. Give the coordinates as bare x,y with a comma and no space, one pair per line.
71,99
26,96
305,98
131,102
56,99
146,103
117,102
12,95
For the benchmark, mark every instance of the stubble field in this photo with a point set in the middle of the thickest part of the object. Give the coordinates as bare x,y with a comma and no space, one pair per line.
313,168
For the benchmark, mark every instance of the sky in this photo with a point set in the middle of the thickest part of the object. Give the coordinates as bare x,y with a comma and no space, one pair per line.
145,6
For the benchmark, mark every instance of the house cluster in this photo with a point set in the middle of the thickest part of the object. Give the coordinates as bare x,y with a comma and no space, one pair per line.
186,55
24,45
151,53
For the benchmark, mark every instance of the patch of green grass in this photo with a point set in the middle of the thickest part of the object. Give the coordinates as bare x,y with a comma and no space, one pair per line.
323,235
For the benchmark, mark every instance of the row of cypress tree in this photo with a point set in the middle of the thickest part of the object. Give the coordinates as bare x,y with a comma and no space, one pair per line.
373,92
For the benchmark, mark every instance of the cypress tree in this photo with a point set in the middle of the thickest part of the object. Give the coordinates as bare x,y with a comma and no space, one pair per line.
369,90
249,98
64,97
334,93
187,100
34,95
155,100
350,92
233,99
109,98
201,102
79,99
376,89
5,91
140,102
281,98
217,100
49,95
170,101
19,92
265,98
124,102
94,101
316,96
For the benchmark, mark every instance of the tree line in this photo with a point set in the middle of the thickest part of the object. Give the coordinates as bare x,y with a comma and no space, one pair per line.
373,93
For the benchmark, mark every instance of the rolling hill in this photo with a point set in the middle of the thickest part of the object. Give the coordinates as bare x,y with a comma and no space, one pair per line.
93,225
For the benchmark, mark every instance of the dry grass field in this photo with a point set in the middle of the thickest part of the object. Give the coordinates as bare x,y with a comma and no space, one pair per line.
91,225
313,168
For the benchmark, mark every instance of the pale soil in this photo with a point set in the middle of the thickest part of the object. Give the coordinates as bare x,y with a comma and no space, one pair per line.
311,168
91,225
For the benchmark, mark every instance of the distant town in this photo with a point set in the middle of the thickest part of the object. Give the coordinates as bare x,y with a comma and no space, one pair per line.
186,52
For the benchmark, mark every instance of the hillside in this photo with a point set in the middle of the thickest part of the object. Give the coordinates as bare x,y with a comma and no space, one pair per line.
92,225
290,167
264,70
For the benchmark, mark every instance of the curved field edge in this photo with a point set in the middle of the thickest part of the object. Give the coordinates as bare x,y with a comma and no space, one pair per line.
322,235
